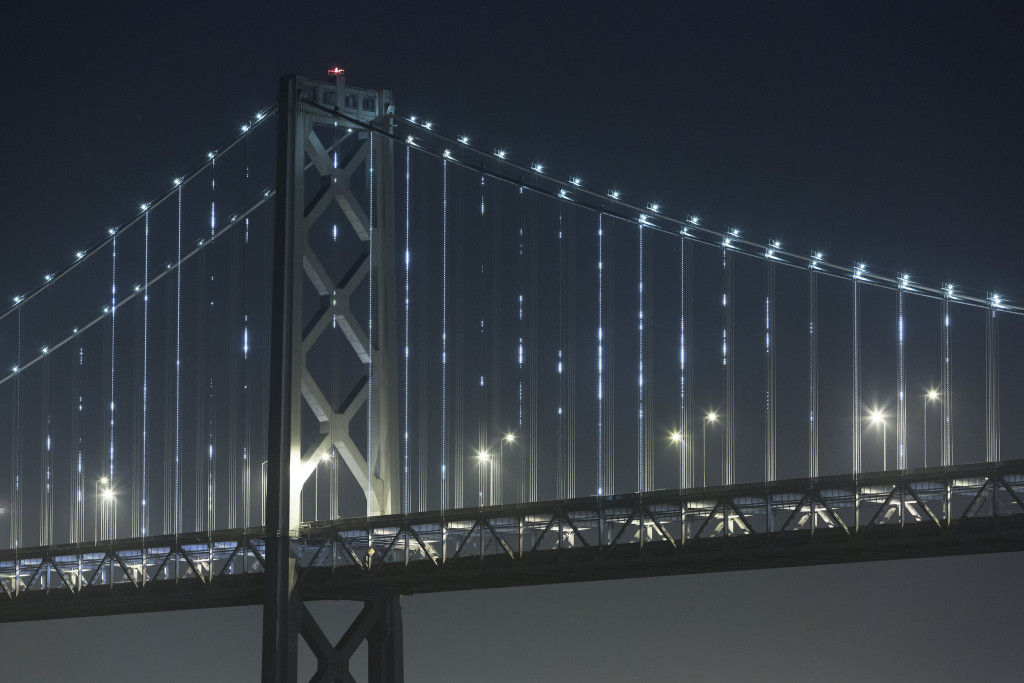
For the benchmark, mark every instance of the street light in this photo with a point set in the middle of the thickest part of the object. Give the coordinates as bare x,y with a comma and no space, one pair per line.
712,416
102,481
878,416
510,437
677,438
932,395
484,459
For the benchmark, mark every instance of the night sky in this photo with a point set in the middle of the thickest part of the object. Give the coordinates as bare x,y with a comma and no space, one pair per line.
875,132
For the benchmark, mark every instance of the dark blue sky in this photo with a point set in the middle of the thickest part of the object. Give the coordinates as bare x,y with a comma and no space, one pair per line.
878,132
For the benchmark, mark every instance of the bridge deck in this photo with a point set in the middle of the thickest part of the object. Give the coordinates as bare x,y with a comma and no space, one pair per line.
959,510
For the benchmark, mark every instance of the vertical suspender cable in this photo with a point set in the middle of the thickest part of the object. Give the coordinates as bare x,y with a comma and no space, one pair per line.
444,336
728,363
494,384
560,470
992,383
570,358
520,469
144,482
177,384
46,464
901,395
812,354
77,494
947,383
600,354
686,430
770,340
405,392
109,498
534,366
17,514
424,297
683,435
856,376
641,474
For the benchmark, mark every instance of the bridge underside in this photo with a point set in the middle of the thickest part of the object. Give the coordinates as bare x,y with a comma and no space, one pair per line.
960,510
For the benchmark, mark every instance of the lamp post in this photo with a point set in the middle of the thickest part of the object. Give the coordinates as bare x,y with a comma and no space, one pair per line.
102,481
484,459
928,398
710,417
263,496
677,437
877,417
510,437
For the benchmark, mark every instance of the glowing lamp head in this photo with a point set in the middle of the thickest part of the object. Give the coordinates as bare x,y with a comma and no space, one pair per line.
483,455
877,416
932,394
336,71
676,437
711,417
108,495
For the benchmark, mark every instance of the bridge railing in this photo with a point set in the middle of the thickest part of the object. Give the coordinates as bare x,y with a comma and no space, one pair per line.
939,511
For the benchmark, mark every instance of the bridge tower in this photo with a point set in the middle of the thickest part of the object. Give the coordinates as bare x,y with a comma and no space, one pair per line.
307,183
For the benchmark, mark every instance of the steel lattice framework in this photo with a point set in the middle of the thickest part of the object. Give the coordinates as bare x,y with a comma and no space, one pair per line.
958,510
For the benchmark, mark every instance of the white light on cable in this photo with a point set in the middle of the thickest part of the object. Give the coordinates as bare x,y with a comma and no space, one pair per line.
539,168
576,180
464,139
614,194
500,153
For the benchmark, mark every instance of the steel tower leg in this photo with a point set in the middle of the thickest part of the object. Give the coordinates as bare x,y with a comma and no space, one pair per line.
282,604
292,384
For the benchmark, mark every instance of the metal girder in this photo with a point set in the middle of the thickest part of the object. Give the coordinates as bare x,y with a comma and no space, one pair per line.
411,556
294,331
379,624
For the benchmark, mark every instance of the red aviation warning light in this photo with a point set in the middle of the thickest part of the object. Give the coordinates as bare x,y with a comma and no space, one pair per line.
336,71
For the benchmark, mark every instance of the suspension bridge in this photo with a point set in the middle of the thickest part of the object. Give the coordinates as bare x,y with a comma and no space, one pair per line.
350,355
